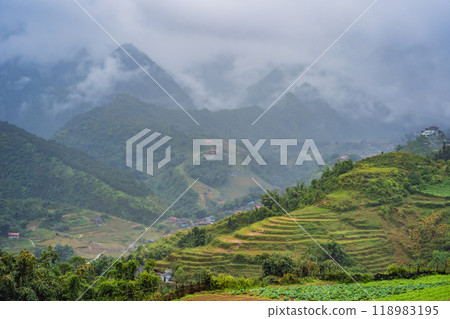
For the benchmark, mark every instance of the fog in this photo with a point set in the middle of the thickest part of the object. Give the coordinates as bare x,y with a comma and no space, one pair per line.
397,53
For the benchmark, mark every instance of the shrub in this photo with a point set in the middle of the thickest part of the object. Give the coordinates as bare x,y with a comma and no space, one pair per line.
223,281
240,258
306,268
395,271
277,265
289,279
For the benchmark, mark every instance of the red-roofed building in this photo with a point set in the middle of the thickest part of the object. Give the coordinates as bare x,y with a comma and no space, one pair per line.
13,235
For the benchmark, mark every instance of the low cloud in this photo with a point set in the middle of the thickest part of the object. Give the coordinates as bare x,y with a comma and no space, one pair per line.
397,53
98,83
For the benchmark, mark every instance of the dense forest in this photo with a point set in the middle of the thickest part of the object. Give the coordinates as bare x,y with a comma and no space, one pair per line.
32,168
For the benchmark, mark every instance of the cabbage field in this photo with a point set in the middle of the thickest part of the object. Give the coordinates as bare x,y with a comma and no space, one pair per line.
343,292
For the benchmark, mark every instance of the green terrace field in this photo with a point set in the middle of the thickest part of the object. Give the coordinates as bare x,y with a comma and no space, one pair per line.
373,229
370,239
441,189
365,240
88,238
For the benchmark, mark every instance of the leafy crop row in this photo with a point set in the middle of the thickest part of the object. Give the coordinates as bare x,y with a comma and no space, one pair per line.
344,292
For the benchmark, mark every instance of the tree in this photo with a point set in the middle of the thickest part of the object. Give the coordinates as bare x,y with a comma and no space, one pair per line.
65,252
180,275
49,256
429,234
277,265
336,251
333,249
148,281
5,225
439,258
150,265
194,238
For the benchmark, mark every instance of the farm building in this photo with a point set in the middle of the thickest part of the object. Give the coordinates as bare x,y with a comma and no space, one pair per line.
13,235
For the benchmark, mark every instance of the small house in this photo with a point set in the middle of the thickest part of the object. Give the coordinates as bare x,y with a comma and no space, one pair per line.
430,131
13,235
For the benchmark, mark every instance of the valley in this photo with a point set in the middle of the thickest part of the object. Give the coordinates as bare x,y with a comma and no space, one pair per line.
376,213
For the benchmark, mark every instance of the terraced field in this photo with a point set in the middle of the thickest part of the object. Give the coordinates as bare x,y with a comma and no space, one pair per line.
90,238
217,261
368,213
441,189
361,233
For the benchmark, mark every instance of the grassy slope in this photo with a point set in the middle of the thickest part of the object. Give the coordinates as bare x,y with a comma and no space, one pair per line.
441,189
371,238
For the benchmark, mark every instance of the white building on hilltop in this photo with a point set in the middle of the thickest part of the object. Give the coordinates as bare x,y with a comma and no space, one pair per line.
430,131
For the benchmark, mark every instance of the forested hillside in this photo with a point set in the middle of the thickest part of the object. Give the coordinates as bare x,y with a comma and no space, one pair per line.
32,168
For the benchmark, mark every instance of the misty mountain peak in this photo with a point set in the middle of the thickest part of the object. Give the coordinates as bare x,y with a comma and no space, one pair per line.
142,58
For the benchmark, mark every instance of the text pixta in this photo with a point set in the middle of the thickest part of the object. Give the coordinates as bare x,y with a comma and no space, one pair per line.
216,153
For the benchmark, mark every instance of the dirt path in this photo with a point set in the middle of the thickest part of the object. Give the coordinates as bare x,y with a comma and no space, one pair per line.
223,296
32,243
97,256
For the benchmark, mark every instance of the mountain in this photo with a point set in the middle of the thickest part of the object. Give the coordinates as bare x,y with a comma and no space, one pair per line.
33,168
103,131
330,100
141,86
41,98
391,208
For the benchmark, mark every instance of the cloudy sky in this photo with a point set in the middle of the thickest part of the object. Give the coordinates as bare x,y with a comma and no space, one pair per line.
398,52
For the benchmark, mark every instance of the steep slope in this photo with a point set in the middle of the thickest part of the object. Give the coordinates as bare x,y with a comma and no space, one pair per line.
141,86
333,105
103,131
41,98
34,168
368,209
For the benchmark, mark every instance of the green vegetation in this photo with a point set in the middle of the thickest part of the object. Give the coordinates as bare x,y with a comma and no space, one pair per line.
371,216
103,131
443,154
35,168
367,215
441,189
48,277
344,292
422,145
194,238
89,233
427,294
